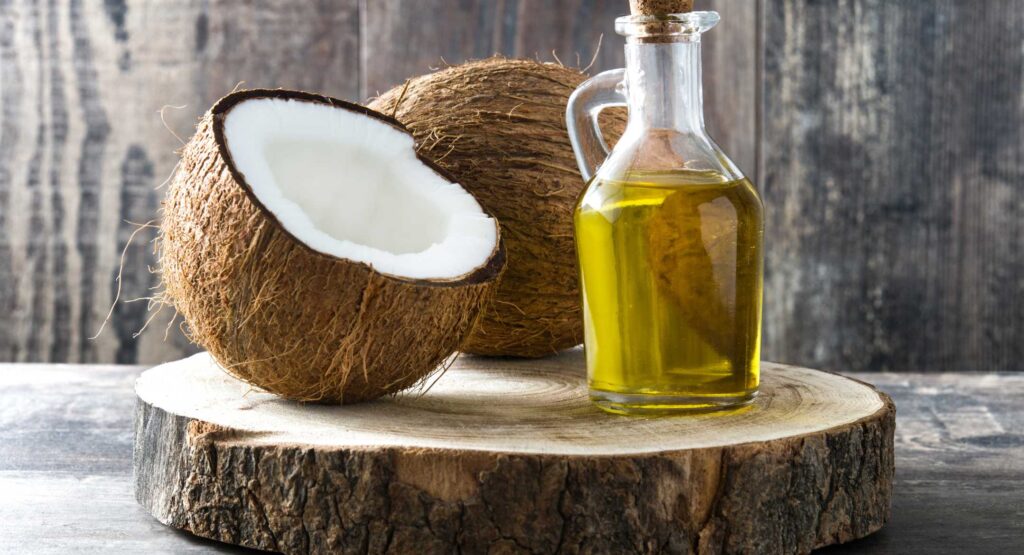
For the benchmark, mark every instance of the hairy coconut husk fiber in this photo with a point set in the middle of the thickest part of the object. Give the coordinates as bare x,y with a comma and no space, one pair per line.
286,318
498,126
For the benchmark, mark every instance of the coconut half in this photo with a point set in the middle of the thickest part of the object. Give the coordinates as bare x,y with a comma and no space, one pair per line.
315,255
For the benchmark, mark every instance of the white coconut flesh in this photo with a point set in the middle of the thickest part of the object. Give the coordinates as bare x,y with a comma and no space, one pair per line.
350,186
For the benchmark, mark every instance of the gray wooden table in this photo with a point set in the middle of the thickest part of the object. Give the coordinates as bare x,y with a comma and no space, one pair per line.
66,447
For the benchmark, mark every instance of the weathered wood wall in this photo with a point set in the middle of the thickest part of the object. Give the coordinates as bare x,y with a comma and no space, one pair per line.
892,164
83,149
885,135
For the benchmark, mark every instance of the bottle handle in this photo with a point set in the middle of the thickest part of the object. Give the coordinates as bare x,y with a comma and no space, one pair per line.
601,91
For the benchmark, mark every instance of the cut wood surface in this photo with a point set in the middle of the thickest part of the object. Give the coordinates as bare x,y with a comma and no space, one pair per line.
959,458
497,454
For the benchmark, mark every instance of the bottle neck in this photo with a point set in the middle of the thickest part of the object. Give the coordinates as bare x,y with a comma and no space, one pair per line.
664,86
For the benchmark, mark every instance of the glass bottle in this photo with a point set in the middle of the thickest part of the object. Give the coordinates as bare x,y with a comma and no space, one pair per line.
668,234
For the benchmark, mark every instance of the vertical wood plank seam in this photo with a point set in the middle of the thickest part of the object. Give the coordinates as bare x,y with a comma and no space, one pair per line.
361,28
90,174
36,254
759,50
10,107
60,315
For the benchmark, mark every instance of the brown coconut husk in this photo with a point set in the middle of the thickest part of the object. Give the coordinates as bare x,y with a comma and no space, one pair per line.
286,318
498,126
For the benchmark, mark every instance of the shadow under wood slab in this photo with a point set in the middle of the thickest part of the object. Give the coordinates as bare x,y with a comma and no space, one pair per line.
511,456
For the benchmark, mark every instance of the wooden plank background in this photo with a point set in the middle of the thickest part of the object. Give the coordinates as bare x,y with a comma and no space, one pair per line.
886,137
892,164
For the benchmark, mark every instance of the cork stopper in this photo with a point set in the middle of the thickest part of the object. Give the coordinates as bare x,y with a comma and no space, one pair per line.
660,7
658,31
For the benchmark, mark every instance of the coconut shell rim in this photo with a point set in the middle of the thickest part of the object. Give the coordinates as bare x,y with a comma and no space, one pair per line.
488,272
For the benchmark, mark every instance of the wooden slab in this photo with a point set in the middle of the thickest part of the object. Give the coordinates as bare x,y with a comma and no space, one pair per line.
510,456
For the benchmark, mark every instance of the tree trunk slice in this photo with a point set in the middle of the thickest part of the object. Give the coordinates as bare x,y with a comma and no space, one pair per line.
510,457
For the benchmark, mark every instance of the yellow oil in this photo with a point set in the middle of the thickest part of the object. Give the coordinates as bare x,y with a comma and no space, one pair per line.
671,270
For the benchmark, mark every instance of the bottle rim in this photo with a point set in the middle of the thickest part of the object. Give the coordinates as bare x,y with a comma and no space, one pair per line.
678,25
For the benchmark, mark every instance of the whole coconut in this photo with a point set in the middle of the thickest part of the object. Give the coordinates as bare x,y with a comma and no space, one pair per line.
498,126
